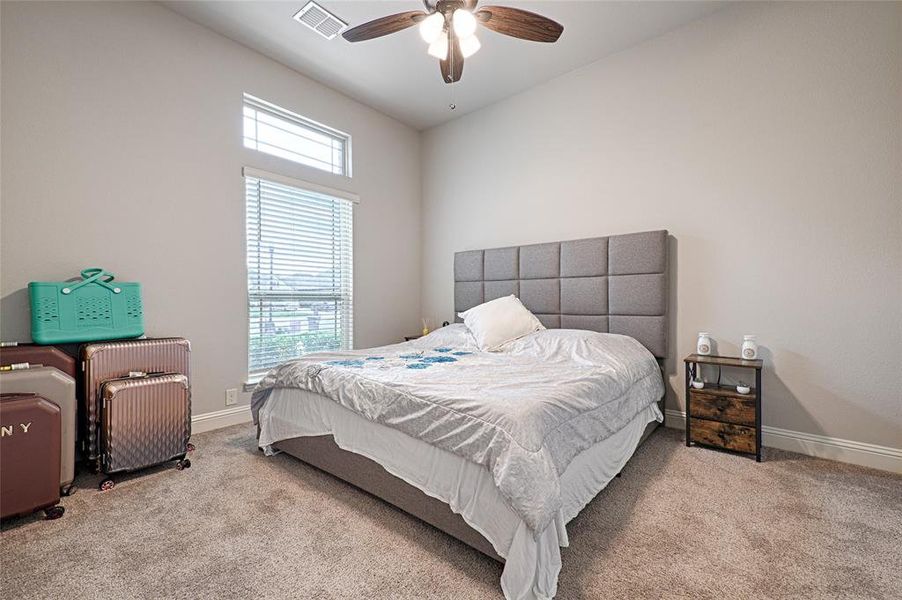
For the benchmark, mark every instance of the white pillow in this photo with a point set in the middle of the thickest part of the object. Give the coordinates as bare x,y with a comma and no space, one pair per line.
499,321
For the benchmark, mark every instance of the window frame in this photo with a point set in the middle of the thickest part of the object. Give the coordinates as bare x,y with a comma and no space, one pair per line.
298,120
253,377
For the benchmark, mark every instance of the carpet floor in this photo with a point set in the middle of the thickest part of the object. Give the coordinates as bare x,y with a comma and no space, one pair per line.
680,523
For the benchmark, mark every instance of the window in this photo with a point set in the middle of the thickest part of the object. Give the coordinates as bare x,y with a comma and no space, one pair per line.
299,270
274,130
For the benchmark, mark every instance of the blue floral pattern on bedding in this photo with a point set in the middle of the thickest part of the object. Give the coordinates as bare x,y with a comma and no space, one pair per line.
356,364
438,359
422,359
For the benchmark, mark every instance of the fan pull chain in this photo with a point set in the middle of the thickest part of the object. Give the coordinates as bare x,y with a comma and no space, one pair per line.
452,105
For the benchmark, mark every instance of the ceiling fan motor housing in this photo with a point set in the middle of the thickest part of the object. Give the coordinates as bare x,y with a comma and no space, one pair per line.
447,6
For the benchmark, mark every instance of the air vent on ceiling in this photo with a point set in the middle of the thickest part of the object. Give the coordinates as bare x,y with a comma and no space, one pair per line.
320,20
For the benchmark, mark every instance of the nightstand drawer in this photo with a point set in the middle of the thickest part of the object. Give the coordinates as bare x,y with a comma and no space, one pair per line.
739,411
722,435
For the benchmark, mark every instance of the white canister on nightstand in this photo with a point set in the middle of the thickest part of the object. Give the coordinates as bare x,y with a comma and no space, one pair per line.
749,347
703,346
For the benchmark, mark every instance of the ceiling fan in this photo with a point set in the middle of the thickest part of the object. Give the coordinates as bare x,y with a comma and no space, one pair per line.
449,27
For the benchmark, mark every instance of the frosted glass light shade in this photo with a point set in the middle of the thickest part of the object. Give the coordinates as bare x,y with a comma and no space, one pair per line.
469,46
464,23
431,27
439,48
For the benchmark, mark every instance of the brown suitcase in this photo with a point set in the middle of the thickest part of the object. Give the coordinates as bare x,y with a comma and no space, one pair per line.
29,455
47,356
112,360
59,388
146,421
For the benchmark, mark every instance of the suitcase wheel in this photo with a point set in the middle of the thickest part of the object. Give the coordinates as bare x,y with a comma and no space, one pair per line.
54,512
189,447
106,485
183,464
68,490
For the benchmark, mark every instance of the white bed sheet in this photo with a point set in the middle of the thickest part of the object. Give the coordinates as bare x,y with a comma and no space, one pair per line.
532,562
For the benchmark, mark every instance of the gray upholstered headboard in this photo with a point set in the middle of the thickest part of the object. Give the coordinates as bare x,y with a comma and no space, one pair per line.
615,284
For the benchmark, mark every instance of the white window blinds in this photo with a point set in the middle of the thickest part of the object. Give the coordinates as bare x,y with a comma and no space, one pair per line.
274,130
299,266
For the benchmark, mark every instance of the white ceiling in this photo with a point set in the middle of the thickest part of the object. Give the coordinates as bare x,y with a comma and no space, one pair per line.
395,75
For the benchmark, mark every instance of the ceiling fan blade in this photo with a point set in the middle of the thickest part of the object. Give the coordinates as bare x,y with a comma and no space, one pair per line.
520,23
384,26
453,66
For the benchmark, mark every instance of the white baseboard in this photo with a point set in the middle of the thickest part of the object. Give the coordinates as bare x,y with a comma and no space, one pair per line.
821,446
848,451
220,418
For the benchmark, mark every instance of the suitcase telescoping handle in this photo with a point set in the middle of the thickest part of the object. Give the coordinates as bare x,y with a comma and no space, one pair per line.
94,275
144,374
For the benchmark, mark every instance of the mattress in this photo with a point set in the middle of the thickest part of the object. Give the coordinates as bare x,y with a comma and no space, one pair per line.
532,559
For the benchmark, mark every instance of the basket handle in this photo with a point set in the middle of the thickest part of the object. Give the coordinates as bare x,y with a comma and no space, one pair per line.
94,275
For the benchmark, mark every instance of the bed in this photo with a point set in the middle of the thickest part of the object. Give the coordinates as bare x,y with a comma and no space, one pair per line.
438,428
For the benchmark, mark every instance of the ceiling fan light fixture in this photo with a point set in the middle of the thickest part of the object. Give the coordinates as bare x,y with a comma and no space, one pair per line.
469,46
439,48
431,27
464,23
449,28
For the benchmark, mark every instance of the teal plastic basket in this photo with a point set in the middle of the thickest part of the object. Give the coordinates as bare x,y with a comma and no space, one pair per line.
92,309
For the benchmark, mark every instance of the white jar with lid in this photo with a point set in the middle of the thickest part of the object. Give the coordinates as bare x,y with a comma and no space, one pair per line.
749,347
703,346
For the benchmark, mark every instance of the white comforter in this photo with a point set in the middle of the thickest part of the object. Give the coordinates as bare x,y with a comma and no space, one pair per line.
523,413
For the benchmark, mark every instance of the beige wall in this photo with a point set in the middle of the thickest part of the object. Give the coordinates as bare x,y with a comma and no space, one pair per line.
766,138
121,147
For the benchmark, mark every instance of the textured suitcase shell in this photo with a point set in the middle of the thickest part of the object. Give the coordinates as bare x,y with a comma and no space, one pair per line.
58,388
112,360
146,421
48,356
29,454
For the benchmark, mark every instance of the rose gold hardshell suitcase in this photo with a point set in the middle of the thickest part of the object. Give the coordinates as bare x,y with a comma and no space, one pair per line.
112,360
145,421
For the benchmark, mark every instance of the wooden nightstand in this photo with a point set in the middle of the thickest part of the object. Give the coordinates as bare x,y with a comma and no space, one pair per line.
718,415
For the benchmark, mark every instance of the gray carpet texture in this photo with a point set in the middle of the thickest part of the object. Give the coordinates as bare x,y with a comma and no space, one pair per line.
680,523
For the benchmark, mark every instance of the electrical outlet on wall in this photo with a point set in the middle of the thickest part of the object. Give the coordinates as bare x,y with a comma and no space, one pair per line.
231,397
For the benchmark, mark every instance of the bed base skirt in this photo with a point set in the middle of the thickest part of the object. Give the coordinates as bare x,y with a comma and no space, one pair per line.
323,453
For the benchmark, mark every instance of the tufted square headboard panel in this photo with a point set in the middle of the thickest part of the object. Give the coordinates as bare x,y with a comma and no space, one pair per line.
615,284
